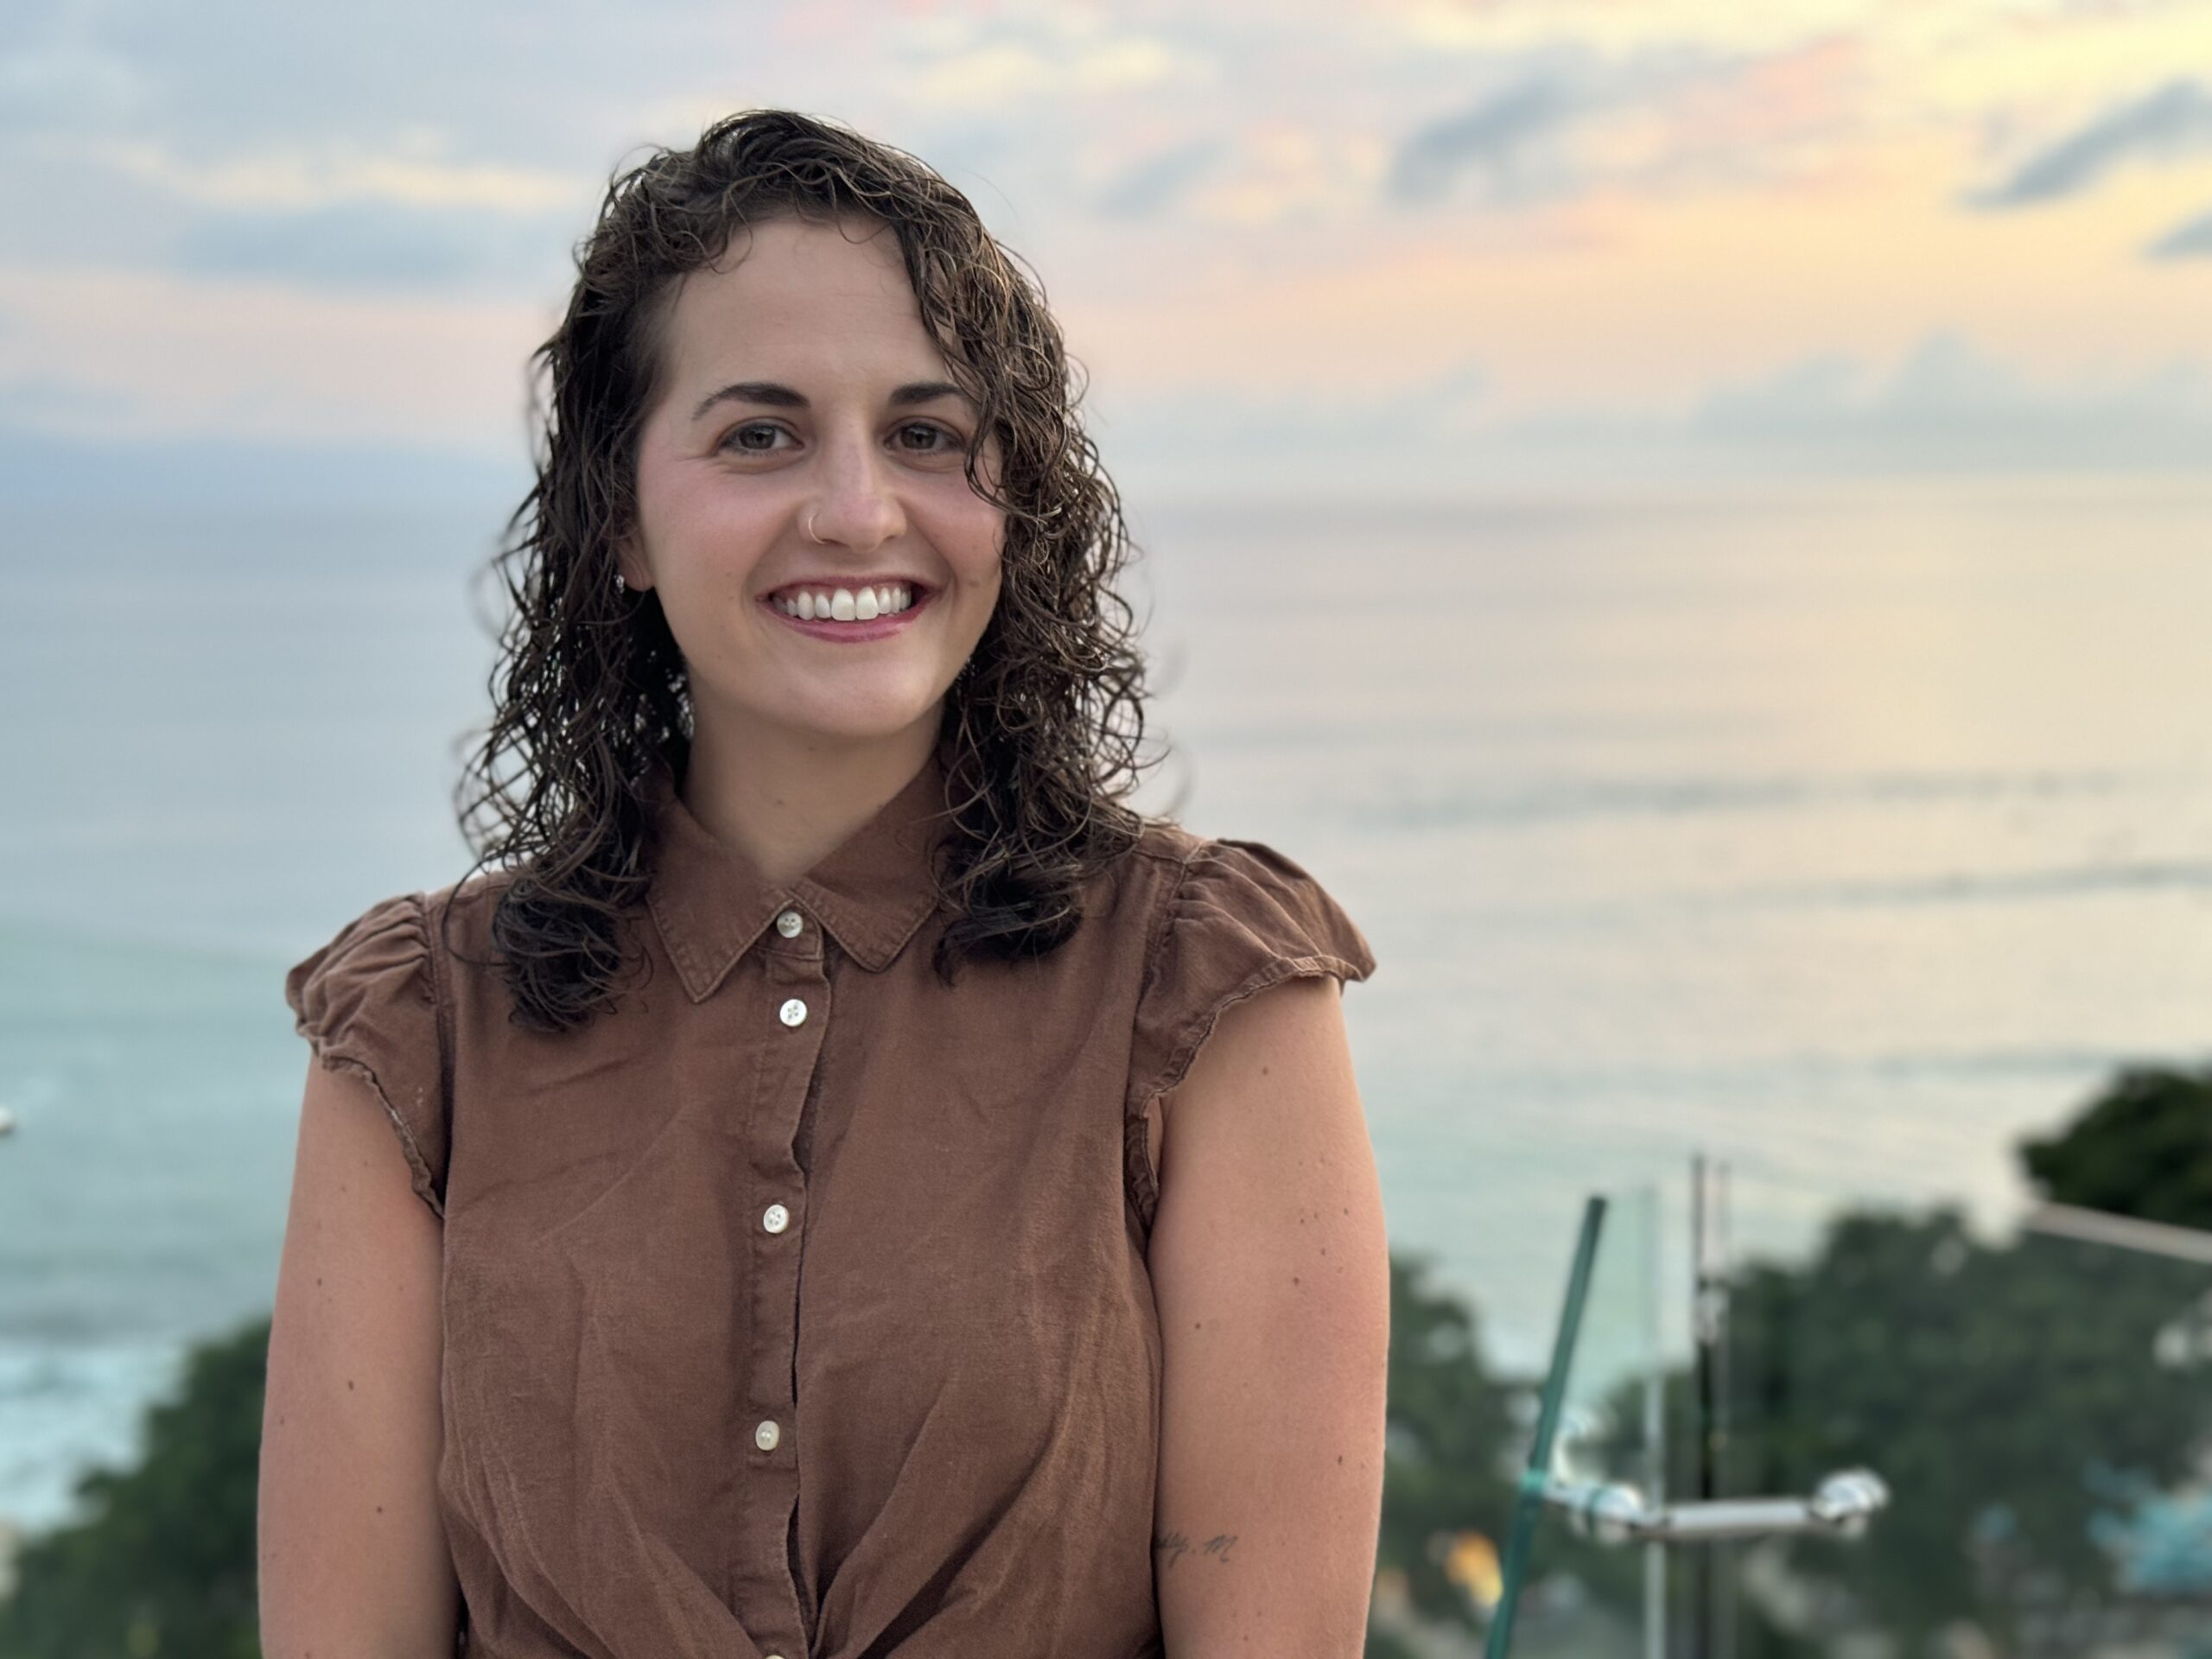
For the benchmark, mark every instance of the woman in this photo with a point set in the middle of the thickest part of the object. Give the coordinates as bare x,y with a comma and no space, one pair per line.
845,1184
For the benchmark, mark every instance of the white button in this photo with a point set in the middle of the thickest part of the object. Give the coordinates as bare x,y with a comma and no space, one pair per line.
789,923
766,1435
775,1218
792,1011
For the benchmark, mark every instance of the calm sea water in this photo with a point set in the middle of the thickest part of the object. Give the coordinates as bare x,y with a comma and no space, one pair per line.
1848,834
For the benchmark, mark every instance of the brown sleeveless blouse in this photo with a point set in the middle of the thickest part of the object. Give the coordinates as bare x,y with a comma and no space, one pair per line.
799,1306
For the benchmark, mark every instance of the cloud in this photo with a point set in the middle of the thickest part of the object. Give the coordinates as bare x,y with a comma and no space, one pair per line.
1946,404
1688,113
1949,402
1034,53
49,401
2191,239
62,87
334,215
360,246
411,172
117,354
1225,424
1157,182
1944,376
1500,139
2159,125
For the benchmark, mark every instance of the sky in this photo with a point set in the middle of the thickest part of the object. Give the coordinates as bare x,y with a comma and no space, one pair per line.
1405,247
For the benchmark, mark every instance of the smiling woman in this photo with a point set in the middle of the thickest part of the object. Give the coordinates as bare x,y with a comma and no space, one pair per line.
842,1183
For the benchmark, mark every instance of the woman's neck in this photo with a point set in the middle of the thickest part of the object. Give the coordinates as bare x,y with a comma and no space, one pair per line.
787,800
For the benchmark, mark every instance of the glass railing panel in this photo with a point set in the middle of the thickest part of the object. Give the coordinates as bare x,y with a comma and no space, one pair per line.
1595,1432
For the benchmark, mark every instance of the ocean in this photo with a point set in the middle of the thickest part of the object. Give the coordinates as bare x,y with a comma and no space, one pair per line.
1847,833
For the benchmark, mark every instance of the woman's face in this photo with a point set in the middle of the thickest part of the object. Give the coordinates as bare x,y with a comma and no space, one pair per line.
801,393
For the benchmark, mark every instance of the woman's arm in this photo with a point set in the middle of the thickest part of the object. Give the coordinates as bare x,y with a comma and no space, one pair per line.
353,1562
1271,1271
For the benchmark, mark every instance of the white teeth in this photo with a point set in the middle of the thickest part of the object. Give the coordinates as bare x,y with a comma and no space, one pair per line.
848,604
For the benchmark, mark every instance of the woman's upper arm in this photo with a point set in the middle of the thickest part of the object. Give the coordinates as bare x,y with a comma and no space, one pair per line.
353,1559
1270,1269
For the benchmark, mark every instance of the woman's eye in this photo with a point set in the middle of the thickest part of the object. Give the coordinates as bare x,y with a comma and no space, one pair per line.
950,440
739,437
916,437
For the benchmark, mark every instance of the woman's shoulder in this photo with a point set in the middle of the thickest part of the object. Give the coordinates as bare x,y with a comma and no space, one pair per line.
473,895
1163,846
459,913
1245,893
387,974
1228,917
377,1000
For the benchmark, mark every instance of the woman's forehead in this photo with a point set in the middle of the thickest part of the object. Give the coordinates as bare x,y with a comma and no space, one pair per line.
795,289
795,277
790,258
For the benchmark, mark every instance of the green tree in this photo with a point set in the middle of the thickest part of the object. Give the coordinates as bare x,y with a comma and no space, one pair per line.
2143,1148
2004,1393
1451,1432
162,1564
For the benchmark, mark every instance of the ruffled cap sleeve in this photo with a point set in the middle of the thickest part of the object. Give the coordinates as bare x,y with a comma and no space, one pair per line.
368,1002
1240,917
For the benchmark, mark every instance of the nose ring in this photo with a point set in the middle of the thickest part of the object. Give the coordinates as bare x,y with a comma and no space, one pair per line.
810,536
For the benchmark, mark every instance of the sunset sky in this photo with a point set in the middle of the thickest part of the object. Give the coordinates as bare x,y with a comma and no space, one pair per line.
1408,247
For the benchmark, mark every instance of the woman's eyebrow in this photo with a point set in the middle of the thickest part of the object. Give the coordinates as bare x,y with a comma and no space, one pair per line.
782,397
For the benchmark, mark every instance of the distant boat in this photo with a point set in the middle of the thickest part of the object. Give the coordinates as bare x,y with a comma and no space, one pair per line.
7,1120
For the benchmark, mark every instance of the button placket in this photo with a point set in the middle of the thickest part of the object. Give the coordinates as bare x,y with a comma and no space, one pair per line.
790,1021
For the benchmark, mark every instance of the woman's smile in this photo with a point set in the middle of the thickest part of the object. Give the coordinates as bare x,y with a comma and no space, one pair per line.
849,612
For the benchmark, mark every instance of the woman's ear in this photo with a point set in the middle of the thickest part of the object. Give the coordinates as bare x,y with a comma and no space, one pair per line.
631,564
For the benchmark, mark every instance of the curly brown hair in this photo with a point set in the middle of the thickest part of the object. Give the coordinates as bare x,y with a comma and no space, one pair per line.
1042,729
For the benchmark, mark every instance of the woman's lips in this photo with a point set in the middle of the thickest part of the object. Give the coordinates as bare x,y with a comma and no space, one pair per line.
854,633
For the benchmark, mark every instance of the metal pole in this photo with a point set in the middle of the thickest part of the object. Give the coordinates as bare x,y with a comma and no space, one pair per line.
1700,1646
1725,1557
1654,1433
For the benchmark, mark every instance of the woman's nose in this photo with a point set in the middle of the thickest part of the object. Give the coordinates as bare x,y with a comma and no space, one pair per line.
858,503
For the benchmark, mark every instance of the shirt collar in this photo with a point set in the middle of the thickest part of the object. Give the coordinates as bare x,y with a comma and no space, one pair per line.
870,893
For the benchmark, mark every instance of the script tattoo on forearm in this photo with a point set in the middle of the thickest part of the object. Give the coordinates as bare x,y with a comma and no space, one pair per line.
1174,1546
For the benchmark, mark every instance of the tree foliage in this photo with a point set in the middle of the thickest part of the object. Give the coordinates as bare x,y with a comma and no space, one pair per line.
2004,1393
2144,1148
160,1564
1451,1431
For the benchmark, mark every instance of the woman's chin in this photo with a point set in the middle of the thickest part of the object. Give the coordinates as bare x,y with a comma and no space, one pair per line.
861,721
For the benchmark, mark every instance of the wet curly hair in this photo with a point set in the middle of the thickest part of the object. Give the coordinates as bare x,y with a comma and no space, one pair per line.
1043,729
